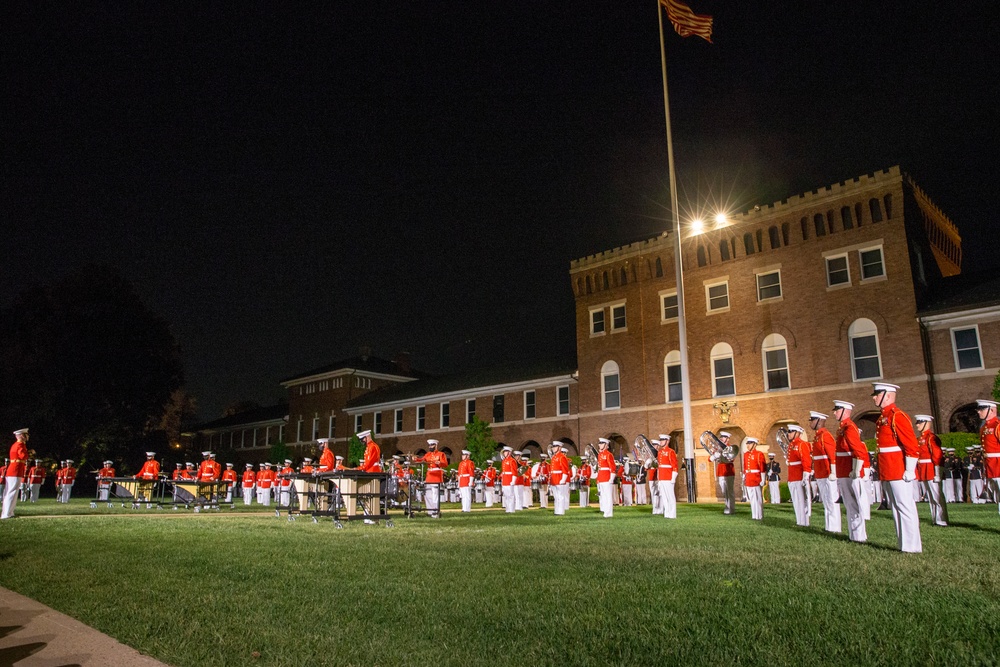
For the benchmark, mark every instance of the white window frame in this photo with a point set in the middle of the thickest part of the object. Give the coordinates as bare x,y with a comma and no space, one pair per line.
861,266
847,264
611,311
534,404
444,412
559,411
329,426
358,419
767,272
673,359
607,372
604,322
770,344
718,356
979,348
298,430
664,295
377,422
850,351
421,417
315,429
397,420
470,410
708,299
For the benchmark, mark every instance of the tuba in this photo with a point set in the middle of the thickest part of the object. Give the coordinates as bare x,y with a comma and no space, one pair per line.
717,450
644,452
784,441
591,455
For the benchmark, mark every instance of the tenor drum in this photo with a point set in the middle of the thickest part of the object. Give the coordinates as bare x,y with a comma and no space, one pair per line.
632,468
574,485
392,487
536,484
480,486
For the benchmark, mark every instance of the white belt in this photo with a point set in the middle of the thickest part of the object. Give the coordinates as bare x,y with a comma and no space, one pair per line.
925,460
753,470
886,450
993,455
795,463
821,458
843,454
608,469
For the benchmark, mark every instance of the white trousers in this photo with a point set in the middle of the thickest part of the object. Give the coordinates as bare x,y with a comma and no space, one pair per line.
728,487
519,497
10,496
525,496
959,495
876,496
247,495
828,493
508,498
35,488
264,496
67,489
995,485
755,496
285,497
774,489
465,493
585,496
102,492
641,497
904,513
432,499
560,498
490,493
668,498
605,494
948,489
800,502
627,490
543,496
866,498
939,510
850,491
654,493
976,488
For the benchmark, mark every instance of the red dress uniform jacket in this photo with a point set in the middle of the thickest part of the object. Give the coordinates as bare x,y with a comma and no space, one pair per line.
989,438
666,464
436,463
18,460
508,466
560,469
69,475
605,466
491,476
149,470
286,480
265,478
327,461
896,441
824,451
229,476
799,460
545,472
177,474
849,447
106,472
249,479
525,479
929,446
306,469
753,467
585,472
206,472
466,471
373,458
36,475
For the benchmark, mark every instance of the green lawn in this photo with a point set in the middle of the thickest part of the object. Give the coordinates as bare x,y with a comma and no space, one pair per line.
238,588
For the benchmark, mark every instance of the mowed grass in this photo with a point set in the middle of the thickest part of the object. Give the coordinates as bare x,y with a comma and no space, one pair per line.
239,589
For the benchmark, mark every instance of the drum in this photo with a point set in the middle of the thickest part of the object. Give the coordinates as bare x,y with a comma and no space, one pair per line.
574,485
632,468
392,487
536,484
480,486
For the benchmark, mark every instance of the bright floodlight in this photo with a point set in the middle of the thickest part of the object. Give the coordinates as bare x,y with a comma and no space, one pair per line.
697,225
720,219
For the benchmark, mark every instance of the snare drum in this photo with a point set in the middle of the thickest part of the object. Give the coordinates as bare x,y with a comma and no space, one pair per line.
480,486
574,485
632,468
536,484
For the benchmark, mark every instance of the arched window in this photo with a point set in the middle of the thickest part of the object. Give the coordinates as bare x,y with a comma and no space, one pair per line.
724,250
774,355
605,280
748,243
579,286
589,288
760,239
723,371
845,218
805,228
858,210
659,268
672,377
610,386
876,209
785,233
865,361
702,260
819,224
887,200
623,279
772,237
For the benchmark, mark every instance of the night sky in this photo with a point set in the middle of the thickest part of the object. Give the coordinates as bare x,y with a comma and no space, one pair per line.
286,182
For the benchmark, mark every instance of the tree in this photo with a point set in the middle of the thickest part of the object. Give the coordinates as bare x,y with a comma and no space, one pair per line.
280,452
355,451
479,441
996,388
86,366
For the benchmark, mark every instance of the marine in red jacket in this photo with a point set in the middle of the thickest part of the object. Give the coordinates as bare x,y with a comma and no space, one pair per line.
753,478
824,455
327,462
799,471
850,468
372,461
897,452
929,468
989,438
15,470
150,469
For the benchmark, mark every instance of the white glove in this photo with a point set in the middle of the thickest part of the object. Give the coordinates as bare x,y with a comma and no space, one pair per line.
805,477
714,458
856,470
673,476
613,478
910,473
832,477
937,473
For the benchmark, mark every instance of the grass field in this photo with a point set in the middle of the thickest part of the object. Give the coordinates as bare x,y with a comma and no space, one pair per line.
237,588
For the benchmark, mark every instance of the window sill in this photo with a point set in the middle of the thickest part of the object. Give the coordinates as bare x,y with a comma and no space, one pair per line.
672,320
719,311
833,288
773,299
876,279
597,335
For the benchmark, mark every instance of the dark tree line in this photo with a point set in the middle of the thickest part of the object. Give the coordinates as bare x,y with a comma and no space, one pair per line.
87,367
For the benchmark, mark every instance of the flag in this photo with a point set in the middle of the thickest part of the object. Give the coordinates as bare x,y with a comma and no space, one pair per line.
686,22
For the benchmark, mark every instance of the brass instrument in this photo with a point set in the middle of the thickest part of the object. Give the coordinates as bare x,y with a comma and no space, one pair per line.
784,441
591,455
717,450
643,451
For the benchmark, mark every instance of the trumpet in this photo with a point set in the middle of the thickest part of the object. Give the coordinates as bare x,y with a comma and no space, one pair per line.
717,450
784,441
643,451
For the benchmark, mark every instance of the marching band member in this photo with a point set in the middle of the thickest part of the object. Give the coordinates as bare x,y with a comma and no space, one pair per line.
518,482
178,470
326,459
542,471
929,469
15,470
799,470
229,477
69,479
264,481
338,463
148,473
58,477
249,481
525,464
206,469
490,475
753,478
36,476
605,477
641,490
824,450
897,465
436,463
466,473
372,461
305,495
989,441
508,475
850,470
285,481
654,485
584,474
725,472
560,471
628,484
103,488
667,469
977,477
773,470
619,476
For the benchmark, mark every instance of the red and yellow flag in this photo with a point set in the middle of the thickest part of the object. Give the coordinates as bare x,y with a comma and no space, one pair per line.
686,22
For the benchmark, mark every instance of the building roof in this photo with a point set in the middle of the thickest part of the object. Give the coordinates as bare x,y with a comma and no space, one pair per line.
487,377
256,415
364,363
963,292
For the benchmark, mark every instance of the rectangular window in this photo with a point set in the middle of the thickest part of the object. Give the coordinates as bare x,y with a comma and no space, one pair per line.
596,322
378,422
777,369
669,303
445,415
357,424
529,405
675,392
563,399
837,272
398,419
315,433
612,392
768,285
864,349
966,345
298,431
871,263
330,426
470,410
717,297
725,378
618,317
497,409
421,417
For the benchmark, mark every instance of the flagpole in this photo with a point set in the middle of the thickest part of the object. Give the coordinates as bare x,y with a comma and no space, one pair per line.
692,486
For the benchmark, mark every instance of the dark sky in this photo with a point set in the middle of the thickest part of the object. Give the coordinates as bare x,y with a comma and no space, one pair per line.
284,182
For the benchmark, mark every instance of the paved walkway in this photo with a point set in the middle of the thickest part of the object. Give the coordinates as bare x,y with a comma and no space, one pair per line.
33,635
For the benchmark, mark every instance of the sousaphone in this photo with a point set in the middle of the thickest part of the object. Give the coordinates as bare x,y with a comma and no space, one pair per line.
717,450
